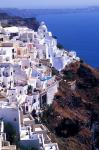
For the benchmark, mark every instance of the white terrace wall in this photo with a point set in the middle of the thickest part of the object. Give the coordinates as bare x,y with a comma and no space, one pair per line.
51,92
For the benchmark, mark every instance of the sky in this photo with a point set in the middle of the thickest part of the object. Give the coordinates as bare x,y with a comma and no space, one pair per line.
47,3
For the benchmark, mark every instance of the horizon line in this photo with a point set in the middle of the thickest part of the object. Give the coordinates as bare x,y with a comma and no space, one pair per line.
68,7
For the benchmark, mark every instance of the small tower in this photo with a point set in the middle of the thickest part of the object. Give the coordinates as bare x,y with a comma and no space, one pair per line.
1,28
43,27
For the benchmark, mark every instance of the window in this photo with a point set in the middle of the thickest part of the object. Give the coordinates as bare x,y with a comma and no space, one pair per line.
26,108
34,100
12,50
1,39
20,92
12,56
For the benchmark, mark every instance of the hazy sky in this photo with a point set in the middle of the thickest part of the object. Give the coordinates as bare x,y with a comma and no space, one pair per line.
47,3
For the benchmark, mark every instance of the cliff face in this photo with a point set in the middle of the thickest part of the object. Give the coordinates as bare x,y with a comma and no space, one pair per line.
75,108
8,20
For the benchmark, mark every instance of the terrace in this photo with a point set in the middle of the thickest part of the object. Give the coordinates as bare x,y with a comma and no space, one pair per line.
27,135
28,120
6,146
52,146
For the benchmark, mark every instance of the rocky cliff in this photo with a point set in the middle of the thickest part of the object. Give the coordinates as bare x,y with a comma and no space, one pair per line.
75,109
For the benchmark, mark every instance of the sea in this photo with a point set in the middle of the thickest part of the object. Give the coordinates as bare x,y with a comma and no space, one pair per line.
76,31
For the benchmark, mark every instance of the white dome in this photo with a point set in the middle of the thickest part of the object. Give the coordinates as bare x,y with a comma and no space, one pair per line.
43,27
42,23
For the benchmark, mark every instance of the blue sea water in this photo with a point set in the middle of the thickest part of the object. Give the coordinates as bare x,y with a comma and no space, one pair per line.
77,31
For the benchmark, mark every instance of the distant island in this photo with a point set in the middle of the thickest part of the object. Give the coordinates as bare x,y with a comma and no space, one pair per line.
8,20
36,12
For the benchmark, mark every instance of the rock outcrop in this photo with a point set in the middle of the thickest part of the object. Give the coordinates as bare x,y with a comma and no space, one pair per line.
71,117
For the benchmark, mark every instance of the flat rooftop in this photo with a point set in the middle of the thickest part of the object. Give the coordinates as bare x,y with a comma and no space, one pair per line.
51,146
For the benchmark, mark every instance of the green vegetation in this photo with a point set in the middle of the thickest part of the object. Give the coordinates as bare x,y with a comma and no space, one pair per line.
55,37
69,75
47,117
67,128
60,46
81,61
54,71
10,133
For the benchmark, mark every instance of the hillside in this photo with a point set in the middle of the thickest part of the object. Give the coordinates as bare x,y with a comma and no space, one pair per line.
75,109
8,20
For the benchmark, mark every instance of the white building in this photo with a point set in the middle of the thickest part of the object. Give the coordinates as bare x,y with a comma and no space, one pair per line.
26,81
